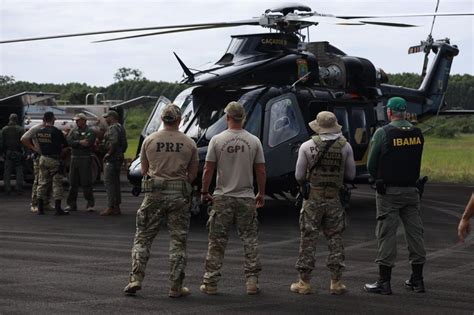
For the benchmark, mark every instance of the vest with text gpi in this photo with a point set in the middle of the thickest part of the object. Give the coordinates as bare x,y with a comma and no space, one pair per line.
400,158
330,169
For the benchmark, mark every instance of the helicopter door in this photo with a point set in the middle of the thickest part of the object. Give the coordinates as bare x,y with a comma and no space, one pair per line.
283,134
154,121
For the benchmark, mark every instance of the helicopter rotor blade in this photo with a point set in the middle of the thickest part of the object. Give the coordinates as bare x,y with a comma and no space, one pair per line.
389,24
167,32
316,19
253,21
349,17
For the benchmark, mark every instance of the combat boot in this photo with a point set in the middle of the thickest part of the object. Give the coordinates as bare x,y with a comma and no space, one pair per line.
178,292
40,207
132,287
107,211
252,285
208,289
57,207
116,210
381,286
301,287
416,282
337,287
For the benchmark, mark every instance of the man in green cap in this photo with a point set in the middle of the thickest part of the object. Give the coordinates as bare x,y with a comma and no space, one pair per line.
115,142
10,143
394,161
81,139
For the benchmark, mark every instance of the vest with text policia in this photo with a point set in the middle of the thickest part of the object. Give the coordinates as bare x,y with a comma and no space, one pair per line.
400,158
330,170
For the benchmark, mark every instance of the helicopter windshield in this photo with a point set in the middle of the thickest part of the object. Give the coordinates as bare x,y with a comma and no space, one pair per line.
252,124
155,120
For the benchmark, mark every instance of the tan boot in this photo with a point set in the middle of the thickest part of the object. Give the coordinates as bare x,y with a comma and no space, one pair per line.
337,287
252,285
175,293
301,287
208,289
132,287
107,211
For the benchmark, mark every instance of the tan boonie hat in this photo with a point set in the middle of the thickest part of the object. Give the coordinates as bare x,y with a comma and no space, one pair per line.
111,113
235,110
171,113
80,116
325,122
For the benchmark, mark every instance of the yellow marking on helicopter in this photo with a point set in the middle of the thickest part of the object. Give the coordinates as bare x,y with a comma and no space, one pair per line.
274,41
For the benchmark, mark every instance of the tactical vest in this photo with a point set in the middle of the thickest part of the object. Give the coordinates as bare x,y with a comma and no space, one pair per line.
81,134
122,138
49,142
330,171
11,137
400,158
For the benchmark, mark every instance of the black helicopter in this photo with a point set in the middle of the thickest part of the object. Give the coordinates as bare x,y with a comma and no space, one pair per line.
283,82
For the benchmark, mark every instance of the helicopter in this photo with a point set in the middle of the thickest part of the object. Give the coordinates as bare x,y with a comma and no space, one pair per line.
283,81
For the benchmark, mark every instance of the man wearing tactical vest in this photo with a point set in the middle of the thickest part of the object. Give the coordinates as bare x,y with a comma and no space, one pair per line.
169,164
394,160
81,140
235,153
323,163
115,142
51,141
10,143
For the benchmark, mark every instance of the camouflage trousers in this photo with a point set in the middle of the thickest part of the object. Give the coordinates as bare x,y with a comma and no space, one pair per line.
50,174
156,209
13,161
224,212
34,188
80,174
399,203
112,183
322,211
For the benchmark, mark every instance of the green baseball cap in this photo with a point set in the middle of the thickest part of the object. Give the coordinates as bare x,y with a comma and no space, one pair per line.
397,104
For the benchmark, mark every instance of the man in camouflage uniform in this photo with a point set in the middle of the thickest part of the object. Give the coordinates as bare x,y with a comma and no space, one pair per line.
11,144
394,160
323,161
81,140
51,141
235,153
115,142
29,140
169,164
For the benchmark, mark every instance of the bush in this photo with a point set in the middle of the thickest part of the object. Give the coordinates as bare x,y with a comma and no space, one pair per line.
445,131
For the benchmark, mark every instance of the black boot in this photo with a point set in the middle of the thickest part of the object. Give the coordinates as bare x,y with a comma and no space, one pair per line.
415,282
381,286
40,207
57,207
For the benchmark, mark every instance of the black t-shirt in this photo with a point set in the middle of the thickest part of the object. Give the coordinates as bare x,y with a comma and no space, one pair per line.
51,140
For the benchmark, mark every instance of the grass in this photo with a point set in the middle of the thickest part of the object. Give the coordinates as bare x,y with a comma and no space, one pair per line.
132,148
449,160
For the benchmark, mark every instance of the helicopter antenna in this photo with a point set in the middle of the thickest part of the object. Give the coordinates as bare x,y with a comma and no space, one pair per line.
185,68
428,44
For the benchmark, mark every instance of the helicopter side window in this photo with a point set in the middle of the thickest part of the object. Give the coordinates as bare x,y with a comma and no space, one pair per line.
254,121
359,125
155,121
343,120
283,122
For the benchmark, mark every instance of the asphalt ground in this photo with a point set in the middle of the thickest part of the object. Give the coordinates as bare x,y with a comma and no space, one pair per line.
80,263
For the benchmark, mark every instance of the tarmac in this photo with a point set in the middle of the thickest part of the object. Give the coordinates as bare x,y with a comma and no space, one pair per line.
79,264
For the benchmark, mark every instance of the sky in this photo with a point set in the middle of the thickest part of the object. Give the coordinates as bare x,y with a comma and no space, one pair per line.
78,60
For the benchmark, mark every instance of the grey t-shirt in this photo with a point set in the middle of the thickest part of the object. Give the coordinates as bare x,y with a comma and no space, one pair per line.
308,151
31,135
235,153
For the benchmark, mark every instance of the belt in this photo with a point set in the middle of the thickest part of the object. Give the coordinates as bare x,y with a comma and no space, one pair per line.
56,157
323,185
80,156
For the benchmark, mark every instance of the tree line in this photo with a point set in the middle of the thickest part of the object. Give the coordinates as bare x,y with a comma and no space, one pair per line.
130,83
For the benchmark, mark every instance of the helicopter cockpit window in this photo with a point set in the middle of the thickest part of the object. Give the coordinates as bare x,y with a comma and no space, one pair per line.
359,125
343,120
155,121
254,121
283,122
